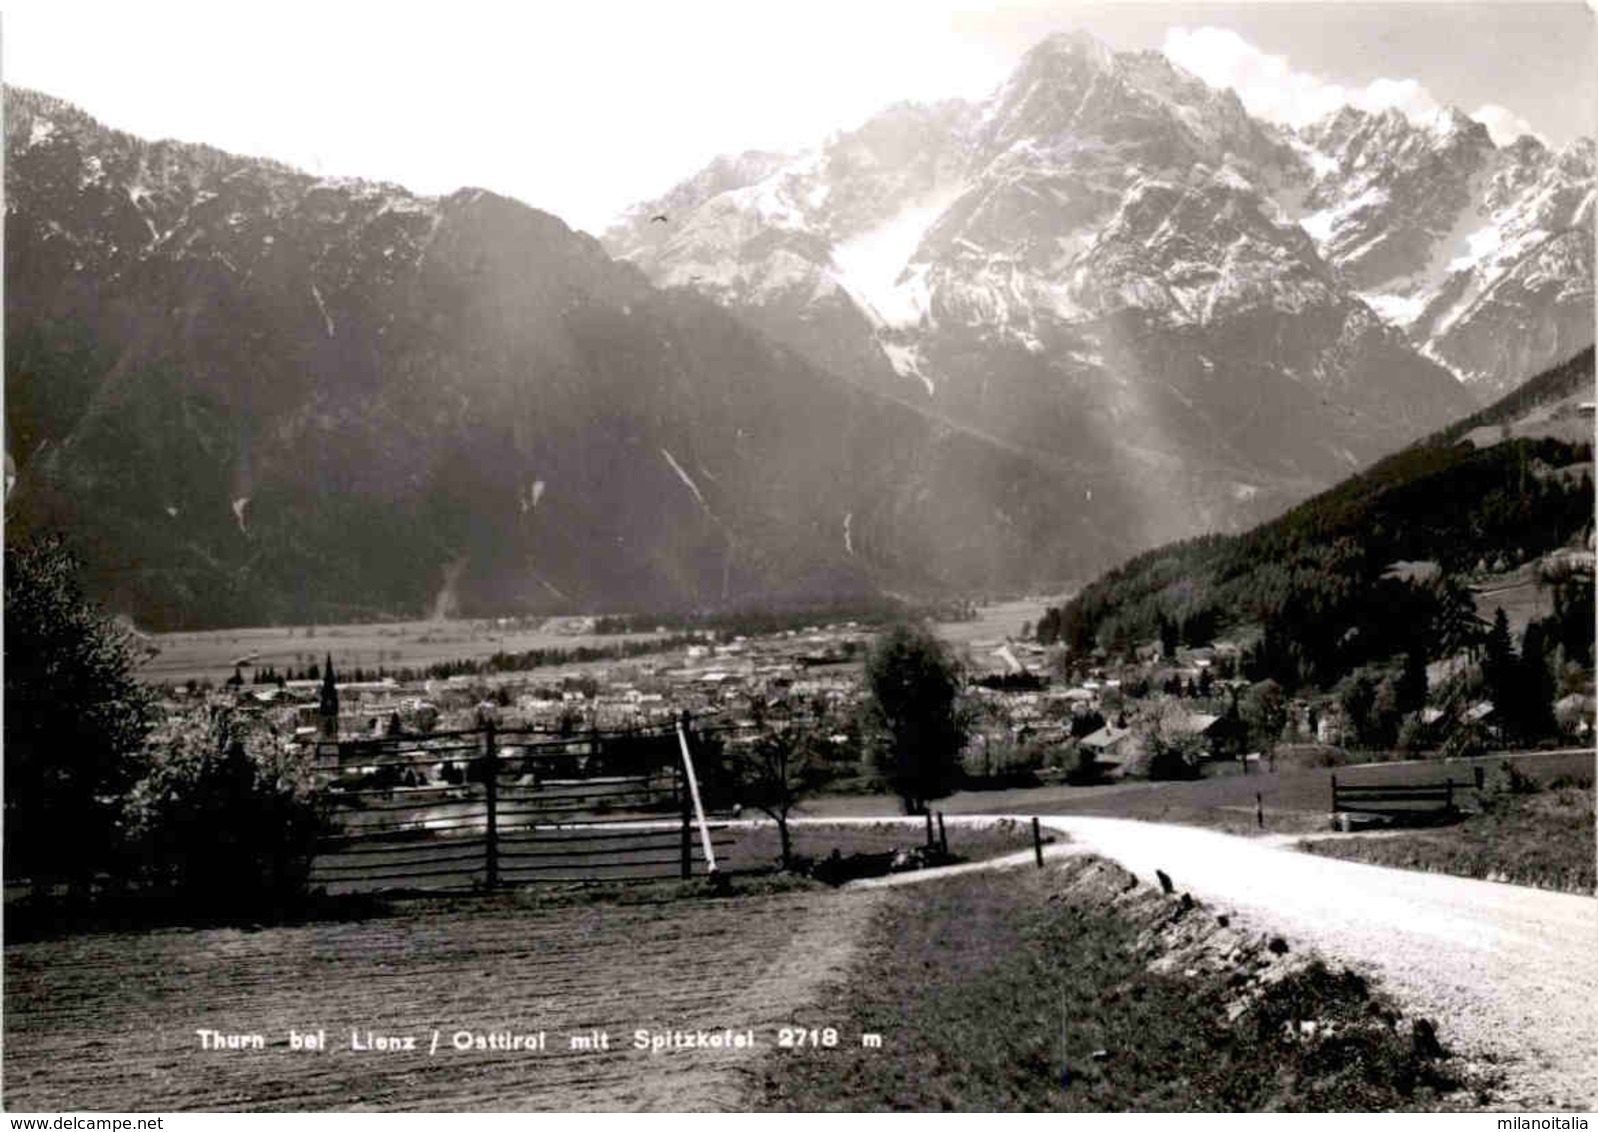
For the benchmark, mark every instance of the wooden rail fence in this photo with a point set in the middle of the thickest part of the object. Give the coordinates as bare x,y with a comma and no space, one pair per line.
1435,797
484,808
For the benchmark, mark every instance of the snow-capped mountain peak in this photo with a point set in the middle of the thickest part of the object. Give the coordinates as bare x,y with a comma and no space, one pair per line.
1481,254
1107,246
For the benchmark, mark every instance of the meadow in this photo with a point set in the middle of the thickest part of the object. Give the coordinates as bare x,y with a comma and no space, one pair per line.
212,654
995,621
1067,990
1542,838
1293,799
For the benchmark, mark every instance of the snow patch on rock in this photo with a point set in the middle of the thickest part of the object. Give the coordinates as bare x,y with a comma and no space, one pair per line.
906,362
687,480
872,266
327,319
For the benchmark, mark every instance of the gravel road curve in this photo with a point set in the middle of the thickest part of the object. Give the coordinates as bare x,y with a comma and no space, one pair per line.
1509,972
105,1021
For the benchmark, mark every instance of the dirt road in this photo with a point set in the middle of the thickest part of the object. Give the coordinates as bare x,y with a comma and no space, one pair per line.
108,1022
1508,971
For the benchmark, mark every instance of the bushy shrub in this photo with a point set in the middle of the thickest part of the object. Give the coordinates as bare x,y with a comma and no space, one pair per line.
1170,761
1412,735
75,718
224,816
1510,779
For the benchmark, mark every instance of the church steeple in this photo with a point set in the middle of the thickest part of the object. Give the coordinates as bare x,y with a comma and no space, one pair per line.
329,710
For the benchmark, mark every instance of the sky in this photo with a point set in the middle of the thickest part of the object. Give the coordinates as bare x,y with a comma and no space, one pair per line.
583,107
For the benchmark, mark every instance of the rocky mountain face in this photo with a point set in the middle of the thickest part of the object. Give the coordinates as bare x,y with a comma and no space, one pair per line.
966,345
255,395
1482,255
1110,259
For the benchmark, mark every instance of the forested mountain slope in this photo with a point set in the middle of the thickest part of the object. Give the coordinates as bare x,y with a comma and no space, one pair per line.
1321,590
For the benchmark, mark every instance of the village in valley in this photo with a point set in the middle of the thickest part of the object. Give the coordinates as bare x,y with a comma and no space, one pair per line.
1035,713
1032,718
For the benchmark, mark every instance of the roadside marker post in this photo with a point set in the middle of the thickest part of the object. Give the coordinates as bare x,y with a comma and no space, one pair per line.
685,811
1037,841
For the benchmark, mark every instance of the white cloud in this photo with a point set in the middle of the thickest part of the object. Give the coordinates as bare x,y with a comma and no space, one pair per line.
1504,124
1404,95
580,108
1270,88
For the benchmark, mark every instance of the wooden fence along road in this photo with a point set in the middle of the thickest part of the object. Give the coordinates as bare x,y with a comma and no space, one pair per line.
1433,799
469,810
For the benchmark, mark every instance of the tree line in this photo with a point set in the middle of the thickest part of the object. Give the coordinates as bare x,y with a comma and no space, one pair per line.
1317,582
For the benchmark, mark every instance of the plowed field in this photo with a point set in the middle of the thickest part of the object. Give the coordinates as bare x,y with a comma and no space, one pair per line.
108,1022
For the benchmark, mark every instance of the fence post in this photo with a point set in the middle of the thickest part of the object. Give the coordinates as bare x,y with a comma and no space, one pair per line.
1259,811
943,835
930,842
685,805
1450,795
491,795
1037,841
1334,794
693,792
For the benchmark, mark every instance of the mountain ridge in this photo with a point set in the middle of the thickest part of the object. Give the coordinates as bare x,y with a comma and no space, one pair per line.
963,346
1086,263
1088,126
258,395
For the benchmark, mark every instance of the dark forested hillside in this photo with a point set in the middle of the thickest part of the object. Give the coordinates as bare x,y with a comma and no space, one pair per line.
253,396
1323,589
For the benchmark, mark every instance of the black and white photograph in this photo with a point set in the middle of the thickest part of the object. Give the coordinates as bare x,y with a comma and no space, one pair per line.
981,556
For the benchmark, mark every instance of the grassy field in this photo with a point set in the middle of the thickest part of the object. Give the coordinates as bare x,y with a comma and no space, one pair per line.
760,848
1295,800
1007,992
1543,839
1518,595
209,655
107,1021
995,622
